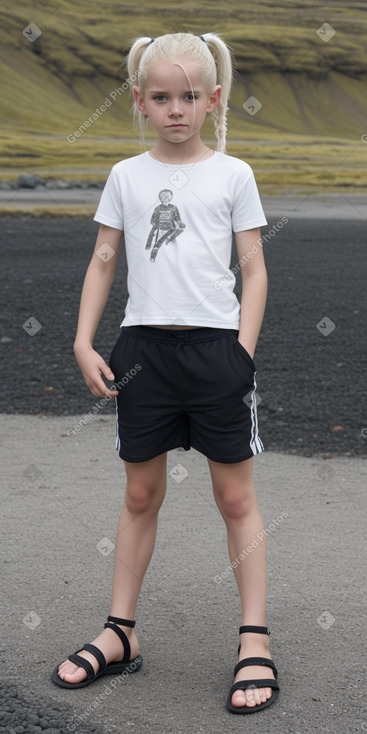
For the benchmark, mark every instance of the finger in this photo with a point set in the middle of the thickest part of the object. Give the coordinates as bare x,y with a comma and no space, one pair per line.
106,371
103,390
100,390
106,392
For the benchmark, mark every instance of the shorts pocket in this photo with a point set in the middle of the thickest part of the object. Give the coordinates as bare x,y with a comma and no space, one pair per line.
117,353
244,353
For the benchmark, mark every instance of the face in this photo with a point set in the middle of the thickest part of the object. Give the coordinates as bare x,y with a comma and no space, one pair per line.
165,198
176,111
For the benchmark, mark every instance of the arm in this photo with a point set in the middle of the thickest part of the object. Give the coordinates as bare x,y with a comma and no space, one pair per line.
96,289
254,287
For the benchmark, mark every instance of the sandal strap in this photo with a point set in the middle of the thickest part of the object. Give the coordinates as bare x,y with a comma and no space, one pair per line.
255,661
123,637
97,654
82,663
254,628
243,685
125,622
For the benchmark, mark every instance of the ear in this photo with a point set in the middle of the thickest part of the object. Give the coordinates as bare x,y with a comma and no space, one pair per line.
139,101
214,98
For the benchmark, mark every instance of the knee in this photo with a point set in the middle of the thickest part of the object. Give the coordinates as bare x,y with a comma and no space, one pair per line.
235,504
141,498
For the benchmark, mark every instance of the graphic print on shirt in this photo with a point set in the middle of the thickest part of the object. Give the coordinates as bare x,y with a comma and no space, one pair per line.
166,224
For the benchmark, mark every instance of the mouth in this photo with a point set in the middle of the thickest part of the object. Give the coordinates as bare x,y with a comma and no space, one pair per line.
176,125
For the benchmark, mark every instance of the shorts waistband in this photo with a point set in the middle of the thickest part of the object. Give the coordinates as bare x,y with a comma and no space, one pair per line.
200,334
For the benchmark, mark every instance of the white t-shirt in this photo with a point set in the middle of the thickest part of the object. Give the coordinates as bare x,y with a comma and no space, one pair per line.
178,223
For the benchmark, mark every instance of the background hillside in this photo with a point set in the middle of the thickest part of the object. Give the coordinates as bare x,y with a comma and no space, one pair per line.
309,132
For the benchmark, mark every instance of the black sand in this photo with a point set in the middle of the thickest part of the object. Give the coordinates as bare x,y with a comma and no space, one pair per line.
312,387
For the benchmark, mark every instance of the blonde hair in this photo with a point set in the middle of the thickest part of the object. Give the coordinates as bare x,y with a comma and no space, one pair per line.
208,50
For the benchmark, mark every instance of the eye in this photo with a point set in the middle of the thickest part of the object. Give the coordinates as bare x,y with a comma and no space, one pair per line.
159,97
191,97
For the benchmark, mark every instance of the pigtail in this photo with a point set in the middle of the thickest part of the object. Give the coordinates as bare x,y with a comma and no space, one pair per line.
133,71
223,62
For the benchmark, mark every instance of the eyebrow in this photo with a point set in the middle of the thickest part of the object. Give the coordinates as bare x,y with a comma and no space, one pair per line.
188,91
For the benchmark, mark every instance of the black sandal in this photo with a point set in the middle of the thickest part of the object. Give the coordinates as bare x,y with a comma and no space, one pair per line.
242,685
122,666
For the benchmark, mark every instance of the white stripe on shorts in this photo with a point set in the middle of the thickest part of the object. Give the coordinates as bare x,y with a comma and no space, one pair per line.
256,443
117,440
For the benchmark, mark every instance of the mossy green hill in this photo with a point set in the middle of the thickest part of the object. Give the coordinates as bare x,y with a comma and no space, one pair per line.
311,85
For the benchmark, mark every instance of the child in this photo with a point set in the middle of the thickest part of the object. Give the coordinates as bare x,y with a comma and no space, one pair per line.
191,342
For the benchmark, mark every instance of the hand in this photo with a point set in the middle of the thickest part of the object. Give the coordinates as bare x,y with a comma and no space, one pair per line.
93,367
251,353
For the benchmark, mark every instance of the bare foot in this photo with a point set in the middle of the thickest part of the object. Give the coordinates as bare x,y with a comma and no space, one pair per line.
109,644
253,645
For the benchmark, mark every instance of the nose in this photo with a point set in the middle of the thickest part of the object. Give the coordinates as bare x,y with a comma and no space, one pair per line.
175,109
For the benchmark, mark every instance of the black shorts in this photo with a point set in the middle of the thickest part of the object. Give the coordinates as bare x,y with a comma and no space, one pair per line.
184,388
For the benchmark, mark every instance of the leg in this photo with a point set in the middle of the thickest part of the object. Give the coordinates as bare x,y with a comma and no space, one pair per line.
135,539
152,232
173,234
165,238
234,494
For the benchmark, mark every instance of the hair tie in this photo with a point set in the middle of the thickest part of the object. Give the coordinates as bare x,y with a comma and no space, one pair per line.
202,38
152,40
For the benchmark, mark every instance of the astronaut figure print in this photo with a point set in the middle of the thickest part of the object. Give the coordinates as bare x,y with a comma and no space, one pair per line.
166,224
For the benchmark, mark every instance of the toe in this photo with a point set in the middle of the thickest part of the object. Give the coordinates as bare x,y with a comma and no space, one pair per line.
239,698
256,696
76,677
251,697
71,673
243,698
66,665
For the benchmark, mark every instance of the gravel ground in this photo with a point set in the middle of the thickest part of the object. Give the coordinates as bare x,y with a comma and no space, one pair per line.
21,714
310,385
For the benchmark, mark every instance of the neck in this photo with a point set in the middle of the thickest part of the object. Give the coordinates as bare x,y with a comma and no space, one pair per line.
190,151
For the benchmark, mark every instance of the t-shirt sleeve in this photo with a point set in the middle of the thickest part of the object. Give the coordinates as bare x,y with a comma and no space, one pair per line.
247,211
110,208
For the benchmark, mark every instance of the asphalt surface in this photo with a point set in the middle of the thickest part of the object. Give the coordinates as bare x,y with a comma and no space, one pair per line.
60,503
62,487
314,205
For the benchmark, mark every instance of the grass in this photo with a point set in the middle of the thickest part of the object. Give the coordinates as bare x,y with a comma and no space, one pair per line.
281,165
306,134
